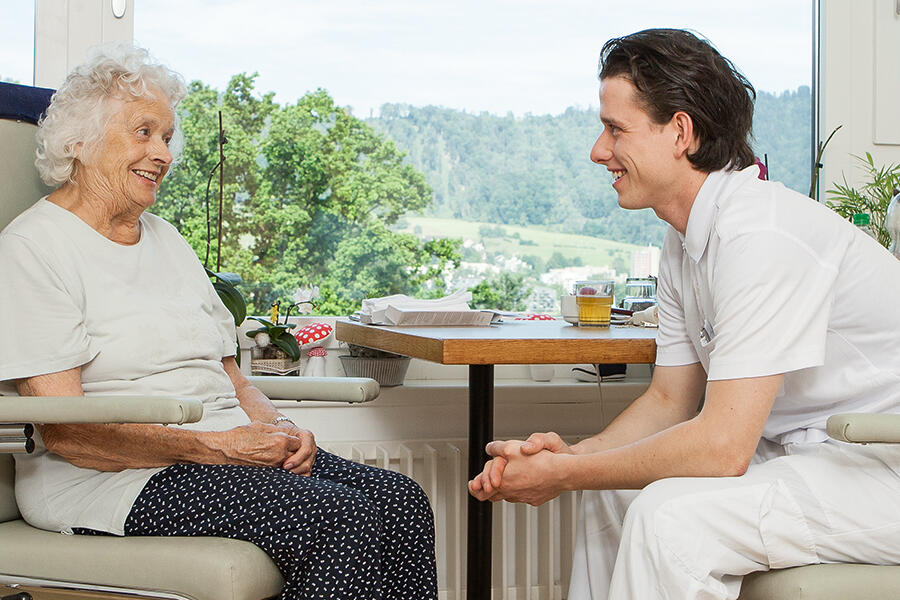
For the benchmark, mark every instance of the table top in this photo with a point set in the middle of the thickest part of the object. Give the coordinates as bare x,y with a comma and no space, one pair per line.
511,342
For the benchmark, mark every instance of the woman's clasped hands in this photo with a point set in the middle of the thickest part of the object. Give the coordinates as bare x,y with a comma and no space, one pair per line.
260,444
523,471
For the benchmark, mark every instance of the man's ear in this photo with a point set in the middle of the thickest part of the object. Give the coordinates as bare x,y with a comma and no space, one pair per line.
686,141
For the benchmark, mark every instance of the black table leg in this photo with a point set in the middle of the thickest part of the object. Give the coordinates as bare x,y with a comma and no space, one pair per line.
481,431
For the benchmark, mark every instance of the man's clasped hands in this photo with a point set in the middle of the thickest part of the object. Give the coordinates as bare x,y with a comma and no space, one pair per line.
531,471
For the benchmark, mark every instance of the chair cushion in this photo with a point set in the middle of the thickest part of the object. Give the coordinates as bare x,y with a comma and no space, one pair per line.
824,582
205,568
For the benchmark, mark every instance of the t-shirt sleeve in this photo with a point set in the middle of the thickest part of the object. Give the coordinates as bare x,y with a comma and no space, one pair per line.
220,314
771,311
40,316
224,324
673,345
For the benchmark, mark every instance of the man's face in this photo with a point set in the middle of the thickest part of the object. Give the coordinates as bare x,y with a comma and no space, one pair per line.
639,153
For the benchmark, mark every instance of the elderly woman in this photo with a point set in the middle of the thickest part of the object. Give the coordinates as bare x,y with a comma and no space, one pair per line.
101,297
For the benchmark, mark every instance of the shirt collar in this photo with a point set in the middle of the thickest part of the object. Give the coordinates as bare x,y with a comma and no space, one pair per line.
705,207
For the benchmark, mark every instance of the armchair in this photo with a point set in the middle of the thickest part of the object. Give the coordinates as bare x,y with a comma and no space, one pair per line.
51,565
836,581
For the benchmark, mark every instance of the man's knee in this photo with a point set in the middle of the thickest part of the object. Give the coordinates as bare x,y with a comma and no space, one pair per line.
666,509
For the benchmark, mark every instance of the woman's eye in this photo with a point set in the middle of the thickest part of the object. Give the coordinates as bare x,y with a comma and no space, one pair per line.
167,139
144,131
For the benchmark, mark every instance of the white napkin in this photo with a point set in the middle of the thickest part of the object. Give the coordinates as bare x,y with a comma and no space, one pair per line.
649,317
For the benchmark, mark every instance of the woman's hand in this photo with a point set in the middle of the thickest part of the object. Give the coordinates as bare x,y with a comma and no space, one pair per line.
260,444
301,461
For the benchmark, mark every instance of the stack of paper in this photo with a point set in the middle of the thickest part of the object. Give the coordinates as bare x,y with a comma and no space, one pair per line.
400,309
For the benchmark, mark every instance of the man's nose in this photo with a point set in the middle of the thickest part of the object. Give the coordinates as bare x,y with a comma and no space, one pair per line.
601,151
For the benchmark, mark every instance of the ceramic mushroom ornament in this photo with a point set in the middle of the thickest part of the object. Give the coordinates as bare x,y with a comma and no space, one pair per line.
313,335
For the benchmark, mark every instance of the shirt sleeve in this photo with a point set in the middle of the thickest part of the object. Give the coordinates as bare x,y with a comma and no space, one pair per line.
673,345
772,298
220,314
224,323
40,316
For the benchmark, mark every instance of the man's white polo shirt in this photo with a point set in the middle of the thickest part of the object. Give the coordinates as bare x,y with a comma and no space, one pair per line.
767,281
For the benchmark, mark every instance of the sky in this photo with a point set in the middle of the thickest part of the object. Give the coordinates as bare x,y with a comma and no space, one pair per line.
500,56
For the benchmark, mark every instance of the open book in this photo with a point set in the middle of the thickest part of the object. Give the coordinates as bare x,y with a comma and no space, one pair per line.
438,317
452,310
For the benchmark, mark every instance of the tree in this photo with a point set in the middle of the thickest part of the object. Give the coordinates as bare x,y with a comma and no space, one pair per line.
310,192
506,291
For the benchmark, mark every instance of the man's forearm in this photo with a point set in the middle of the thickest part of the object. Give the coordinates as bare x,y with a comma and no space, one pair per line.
717,442
647,415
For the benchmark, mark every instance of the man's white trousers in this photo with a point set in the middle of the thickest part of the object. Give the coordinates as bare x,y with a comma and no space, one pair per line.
695,538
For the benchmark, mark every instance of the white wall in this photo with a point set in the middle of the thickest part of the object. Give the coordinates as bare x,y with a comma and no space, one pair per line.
860,86
65,29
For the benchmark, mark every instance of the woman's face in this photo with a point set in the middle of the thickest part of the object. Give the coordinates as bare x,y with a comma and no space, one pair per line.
129,163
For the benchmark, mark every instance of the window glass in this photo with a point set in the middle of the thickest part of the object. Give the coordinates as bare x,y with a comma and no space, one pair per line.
423,147
17,43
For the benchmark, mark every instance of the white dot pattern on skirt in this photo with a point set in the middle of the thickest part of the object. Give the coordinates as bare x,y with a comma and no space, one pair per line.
348,531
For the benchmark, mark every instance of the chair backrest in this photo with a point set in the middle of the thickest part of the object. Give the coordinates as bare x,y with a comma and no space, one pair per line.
20,187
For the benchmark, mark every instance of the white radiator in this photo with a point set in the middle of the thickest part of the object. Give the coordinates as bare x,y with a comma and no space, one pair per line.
532,546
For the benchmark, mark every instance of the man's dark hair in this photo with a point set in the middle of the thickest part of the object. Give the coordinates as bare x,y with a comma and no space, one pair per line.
674,70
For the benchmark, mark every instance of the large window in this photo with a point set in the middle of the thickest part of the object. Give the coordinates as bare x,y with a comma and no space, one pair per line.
493,104
17,43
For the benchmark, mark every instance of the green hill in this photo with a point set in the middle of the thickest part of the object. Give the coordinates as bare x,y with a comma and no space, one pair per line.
535,171
517,240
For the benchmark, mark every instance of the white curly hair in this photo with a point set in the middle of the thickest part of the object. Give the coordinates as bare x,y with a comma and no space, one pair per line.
77,111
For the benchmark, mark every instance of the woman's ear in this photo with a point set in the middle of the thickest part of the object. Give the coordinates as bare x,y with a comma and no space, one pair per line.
76,151
686,141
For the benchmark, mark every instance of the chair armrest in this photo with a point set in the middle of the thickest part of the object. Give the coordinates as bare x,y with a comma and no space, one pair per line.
99,409
862,428
329,389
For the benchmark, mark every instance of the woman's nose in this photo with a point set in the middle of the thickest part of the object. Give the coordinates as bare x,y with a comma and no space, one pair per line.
601,152
161,153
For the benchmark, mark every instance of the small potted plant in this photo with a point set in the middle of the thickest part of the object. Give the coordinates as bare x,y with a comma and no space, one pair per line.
277,351
386,368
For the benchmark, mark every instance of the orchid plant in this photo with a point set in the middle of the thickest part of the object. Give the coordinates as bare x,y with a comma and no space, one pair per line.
273,333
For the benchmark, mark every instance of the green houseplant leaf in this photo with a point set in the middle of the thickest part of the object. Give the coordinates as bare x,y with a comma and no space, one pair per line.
287,344
224,284
873,197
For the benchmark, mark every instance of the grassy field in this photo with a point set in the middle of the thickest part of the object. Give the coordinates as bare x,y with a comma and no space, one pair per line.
523,241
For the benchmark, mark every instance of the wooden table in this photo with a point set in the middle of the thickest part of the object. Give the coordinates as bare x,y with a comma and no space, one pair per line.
513,342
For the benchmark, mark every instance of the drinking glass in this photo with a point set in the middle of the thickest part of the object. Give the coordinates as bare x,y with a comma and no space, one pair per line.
594,299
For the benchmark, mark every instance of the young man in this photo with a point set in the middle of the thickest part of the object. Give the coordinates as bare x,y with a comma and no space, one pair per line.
773,310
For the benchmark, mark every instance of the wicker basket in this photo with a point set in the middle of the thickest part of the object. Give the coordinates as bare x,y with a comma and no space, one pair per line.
274,366
387,372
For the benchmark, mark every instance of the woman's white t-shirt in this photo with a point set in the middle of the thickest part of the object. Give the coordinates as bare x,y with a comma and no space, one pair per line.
140,320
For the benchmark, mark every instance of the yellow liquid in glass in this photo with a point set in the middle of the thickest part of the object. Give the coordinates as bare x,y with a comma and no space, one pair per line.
593,311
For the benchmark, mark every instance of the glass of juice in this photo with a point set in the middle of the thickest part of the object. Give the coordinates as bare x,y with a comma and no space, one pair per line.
594,299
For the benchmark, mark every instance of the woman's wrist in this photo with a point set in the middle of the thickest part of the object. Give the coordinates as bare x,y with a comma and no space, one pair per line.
279,419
